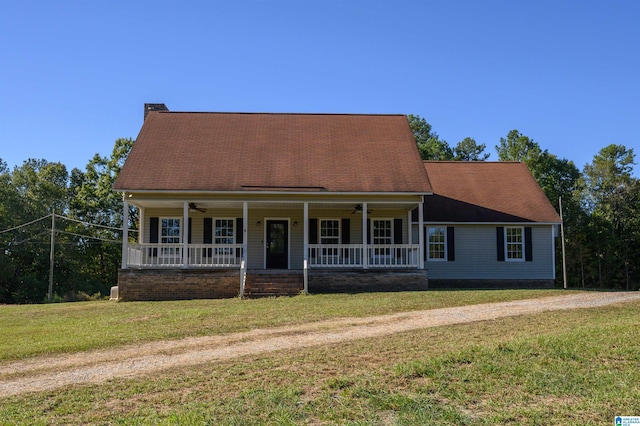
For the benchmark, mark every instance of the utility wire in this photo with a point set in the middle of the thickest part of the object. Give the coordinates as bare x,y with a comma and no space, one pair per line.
94,224
26,240
88,236
66,218
25,224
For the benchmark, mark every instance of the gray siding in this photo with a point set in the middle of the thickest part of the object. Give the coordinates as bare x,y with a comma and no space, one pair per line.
476,256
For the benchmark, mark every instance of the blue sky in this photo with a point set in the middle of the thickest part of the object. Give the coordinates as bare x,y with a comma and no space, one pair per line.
74,75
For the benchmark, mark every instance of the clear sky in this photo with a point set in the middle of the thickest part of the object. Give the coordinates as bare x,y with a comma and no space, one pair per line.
74,75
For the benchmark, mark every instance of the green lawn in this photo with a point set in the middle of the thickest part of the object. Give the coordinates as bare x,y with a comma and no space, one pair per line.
577,367
29,330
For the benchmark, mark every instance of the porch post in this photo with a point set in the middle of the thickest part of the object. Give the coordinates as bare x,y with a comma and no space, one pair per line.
305,257
421,232
365,249
140,224
245,227
409,233
184,233
125,231
245,243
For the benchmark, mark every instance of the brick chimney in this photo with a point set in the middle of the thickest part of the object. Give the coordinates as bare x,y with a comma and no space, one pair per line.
154,107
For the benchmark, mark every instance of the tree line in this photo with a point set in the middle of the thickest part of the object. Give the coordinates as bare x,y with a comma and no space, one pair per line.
87,256
601,212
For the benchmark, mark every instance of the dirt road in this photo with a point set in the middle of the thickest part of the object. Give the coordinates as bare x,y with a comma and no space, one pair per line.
46,373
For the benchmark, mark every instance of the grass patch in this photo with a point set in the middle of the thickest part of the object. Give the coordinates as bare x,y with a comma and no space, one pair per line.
29,330
561,367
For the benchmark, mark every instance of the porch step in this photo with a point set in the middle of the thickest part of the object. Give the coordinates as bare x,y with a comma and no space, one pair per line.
273,284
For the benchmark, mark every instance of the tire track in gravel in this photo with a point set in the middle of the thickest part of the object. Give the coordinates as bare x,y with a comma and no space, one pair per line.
93,367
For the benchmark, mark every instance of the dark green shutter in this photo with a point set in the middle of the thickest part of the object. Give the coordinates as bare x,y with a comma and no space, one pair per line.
368,231
207,238
239,231
154,224
397,231
451,244
500,242
189,232
239,235
346,231
426,243
313,231
528,245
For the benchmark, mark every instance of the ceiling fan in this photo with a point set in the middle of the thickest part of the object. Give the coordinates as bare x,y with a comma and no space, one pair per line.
358,209
193,206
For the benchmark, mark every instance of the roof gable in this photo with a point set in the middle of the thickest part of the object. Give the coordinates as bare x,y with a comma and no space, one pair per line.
182,151
467,191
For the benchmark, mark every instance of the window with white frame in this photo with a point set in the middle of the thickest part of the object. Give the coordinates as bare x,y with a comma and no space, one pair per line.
329,234
382,235
170,230
437,243
223,234
223,231
329,231
514,243
382,231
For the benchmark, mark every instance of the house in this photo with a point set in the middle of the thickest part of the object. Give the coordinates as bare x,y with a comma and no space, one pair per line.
251,203
487,225
263,204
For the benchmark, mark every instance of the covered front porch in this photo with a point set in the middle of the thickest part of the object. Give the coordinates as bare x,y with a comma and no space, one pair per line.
262,234
156,255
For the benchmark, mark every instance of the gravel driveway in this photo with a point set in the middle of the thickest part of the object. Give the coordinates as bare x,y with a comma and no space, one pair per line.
51,372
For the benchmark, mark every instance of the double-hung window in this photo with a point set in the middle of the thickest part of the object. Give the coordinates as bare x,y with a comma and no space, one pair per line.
437,243
382,235
223,231
514,243
170,231
330,235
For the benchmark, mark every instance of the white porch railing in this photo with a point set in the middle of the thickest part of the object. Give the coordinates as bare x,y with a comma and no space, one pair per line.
170,255
350,255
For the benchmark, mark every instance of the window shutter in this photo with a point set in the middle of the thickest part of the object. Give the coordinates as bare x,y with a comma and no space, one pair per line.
189,232
397,231
368,231
207,238
426,243
451,244
528,245
500,242
239,231
154,224
346,231
313,231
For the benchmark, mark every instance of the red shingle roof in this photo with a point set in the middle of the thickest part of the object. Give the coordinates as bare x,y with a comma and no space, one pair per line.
466,191
281,152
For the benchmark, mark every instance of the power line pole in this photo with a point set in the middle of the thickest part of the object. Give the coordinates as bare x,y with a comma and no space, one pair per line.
564,261
51,254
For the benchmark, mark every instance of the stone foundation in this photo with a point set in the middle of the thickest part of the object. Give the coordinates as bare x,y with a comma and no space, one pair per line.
176,284
370,280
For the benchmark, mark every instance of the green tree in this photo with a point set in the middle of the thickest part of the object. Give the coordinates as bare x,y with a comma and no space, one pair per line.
430,146
34,190
95,202
518,147
612,199
468,150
